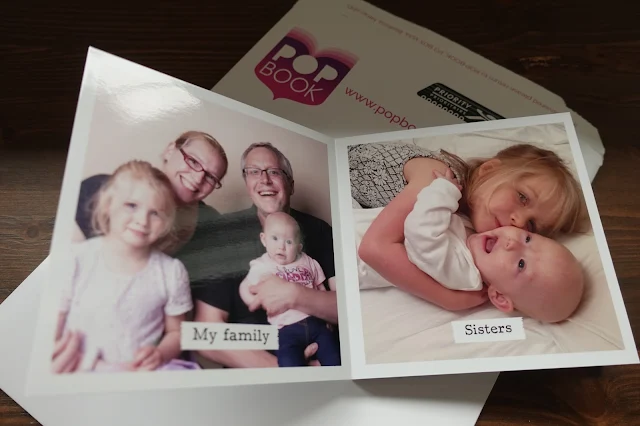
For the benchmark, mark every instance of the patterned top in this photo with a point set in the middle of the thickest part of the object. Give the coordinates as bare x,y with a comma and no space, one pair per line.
376,170
119,313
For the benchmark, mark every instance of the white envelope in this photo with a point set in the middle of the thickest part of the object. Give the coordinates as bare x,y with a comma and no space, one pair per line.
442,400
401,76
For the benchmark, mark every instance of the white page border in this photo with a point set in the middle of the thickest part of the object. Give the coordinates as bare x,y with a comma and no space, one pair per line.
362,370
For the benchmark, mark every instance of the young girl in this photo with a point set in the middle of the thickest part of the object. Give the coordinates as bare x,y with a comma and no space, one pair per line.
125,297
523,186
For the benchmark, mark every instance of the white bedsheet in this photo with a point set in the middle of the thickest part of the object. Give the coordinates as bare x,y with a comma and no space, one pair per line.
399,327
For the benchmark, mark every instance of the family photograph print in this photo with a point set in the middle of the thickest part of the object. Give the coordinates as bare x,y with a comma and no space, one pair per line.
205,215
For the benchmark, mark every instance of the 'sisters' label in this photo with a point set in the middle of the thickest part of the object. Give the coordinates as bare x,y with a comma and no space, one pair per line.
488,330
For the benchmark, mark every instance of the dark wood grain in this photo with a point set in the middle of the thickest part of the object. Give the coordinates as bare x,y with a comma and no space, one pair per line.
587,52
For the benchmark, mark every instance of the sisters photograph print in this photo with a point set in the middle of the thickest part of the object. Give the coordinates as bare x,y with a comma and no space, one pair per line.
476,245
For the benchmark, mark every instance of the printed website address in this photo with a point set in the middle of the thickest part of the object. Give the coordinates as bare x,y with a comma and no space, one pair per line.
379,109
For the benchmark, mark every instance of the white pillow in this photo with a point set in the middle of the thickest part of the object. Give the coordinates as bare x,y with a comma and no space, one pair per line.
594,326
487,144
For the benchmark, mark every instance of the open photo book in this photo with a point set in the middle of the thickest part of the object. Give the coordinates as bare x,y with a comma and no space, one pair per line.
200,241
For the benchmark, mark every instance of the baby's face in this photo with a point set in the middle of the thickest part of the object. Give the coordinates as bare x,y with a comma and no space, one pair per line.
511,258
538,275
281,239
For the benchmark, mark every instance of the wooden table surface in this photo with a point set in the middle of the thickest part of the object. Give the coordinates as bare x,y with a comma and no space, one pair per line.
587,52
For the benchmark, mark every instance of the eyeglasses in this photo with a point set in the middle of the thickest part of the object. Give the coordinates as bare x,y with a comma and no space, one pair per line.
196,166
272,172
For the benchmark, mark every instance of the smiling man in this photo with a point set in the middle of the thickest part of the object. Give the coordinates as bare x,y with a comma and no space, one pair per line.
233,240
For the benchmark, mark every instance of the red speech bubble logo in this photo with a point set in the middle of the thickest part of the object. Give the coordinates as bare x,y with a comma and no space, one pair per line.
294,70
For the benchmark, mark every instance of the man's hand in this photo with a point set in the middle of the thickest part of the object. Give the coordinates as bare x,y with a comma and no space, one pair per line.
310,351
147,358
274,294
66,353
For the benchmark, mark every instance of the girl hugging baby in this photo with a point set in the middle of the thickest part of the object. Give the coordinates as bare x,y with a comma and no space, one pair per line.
125,297
284,257
515,201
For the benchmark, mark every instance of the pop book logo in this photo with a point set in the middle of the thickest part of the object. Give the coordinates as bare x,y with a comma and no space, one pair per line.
294,70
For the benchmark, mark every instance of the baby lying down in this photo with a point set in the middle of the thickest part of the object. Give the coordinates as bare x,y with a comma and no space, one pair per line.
523,271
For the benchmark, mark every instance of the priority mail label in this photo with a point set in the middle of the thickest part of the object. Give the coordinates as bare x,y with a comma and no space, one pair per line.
489,330
456,104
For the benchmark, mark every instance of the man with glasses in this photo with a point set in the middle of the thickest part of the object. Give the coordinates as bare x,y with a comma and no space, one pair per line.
233,241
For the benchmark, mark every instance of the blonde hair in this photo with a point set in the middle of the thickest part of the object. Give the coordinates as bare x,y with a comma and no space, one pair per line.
138,171
524,161
290,221
194,134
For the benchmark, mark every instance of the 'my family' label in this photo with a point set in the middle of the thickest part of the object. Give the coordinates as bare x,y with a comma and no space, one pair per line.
489,330
222,336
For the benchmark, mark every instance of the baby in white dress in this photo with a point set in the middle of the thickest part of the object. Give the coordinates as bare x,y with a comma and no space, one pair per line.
522,271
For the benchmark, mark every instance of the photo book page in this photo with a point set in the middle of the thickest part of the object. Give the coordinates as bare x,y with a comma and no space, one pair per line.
476,247
203,242
193,244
